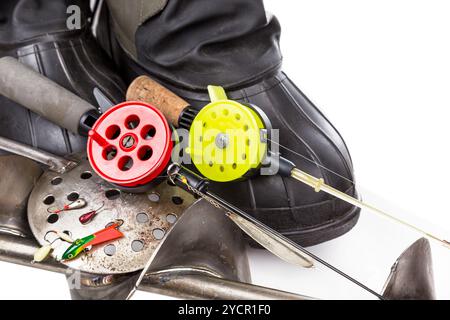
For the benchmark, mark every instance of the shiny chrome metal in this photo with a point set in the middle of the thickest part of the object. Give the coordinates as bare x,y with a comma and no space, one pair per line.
18,176
133,250
270,240
12,232
55,163
411,276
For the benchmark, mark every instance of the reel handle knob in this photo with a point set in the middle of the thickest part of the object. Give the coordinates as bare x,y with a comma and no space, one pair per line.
149,91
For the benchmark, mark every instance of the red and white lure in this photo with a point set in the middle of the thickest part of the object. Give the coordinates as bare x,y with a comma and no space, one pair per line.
77,204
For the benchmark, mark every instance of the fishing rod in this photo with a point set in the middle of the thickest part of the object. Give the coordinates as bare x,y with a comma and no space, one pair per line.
270,239
228,141
129,146
130,143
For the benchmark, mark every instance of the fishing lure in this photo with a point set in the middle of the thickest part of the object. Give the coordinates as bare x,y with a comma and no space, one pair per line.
42,253
89,216
64,236
77,204
85,244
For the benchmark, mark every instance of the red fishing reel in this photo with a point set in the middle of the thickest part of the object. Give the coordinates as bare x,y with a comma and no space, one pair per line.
130,144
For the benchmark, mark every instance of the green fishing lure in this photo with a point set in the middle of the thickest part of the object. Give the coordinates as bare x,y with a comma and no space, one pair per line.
85,244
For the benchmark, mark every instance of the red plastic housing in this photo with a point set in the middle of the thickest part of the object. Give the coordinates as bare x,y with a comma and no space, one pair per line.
130,144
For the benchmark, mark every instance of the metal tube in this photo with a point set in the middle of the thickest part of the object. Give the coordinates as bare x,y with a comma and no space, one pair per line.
196,286
20,251
55,163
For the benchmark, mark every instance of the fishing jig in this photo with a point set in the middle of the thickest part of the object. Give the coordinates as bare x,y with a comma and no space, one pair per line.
228,140
77,204
63,236
85,244
89,216
42,253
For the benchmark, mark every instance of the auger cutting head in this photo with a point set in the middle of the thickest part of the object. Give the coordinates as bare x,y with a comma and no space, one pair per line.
130,144
227,139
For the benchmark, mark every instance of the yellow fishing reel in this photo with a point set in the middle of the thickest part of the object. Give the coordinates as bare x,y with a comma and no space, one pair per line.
228,139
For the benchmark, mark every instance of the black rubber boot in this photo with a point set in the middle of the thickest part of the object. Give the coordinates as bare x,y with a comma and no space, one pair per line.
35,32
233,43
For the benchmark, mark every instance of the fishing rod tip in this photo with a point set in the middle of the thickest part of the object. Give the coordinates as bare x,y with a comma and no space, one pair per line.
446,244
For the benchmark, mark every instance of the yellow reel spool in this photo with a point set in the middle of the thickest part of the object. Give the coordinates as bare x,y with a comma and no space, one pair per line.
227,139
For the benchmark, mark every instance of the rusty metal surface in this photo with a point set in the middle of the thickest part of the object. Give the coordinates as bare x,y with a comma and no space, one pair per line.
127,207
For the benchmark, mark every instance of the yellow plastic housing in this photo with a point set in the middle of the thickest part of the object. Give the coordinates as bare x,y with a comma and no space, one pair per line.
226,138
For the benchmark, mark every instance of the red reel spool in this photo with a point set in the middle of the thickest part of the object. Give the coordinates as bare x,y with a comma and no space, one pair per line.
130,144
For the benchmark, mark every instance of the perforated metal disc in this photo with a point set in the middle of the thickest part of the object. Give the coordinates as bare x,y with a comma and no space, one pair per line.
147,217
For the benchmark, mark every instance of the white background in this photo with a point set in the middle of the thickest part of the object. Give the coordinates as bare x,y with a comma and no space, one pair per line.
380,71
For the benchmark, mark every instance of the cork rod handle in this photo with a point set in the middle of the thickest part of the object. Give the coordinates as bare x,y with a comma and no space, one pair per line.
149,91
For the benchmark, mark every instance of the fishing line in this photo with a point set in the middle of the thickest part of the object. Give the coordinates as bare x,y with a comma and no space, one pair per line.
319,185
223,115
245,222
229,207
312,161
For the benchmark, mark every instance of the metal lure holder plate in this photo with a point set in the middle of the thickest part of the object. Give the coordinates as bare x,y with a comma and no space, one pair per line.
147,217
